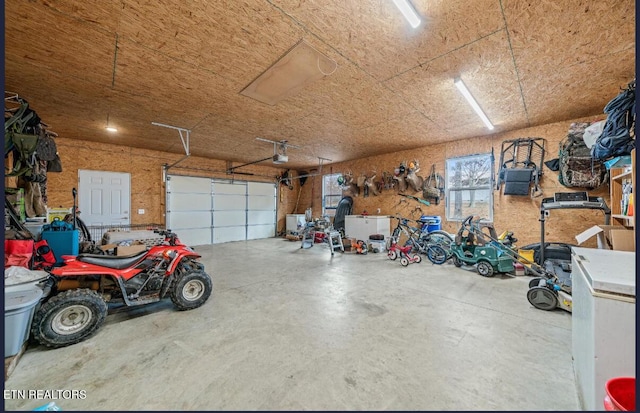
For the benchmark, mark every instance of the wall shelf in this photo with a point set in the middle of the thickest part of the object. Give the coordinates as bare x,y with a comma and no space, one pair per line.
620,177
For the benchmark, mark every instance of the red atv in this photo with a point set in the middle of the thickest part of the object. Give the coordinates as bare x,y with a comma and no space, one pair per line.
76,293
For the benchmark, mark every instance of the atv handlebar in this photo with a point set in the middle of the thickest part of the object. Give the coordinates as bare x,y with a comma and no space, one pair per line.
169,236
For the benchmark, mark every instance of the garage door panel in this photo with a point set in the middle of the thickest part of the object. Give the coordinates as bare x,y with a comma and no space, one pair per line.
261,203
190,184
261,231
227,234
190,202
229,202
260,217
190,219
199,236
229,189
257,188
208,211
229,218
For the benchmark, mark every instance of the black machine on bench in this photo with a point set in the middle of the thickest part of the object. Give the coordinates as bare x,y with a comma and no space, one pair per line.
546,293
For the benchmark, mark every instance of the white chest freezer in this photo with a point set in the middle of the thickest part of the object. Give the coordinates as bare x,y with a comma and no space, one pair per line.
603,320
361,227
295,223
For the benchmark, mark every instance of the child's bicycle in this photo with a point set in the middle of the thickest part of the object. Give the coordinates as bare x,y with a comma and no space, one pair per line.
405,253
435,245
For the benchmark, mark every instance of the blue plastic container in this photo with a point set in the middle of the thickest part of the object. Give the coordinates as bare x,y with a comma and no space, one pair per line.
49,407
62,242
431,223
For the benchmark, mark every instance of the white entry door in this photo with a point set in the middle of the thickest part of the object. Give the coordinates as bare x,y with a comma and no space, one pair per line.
104,198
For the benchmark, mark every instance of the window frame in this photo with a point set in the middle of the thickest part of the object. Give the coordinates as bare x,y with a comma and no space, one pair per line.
330,210
450,191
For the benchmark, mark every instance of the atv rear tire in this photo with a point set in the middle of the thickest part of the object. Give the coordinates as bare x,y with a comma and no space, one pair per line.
69,317
191,290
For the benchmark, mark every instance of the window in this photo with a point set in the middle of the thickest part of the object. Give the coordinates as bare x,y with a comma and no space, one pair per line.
331,194
469,187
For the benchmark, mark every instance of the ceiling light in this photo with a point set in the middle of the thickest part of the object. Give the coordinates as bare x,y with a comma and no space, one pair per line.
408,12
465,92
110,128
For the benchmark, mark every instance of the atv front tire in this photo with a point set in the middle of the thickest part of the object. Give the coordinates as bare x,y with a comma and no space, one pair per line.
69,317
191,290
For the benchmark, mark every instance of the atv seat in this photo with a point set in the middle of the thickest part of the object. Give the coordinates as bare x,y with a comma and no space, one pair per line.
111,261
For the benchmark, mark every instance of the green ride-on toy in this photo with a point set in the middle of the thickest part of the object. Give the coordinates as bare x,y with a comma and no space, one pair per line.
471,247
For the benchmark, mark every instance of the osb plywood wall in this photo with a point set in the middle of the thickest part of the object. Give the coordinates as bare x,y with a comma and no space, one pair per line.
145,167
519,214
516,213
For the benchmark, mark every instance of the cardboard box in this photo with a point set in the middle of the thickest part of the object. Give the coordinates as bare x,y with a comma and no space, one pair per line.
107,247
612,237
130,250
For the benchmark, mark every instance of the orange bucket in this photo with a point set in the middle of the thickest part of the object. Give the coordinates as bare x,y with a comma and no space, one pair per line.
621,394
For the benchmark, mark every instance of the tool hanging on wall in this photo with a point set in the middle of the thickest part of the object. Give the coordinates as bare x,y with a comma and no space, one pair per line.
431,188
415,198
520,166
302,177
284,180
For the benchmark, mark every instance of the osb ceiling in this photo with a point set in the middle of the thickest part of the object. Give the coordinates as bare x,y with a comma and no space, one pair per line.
184,63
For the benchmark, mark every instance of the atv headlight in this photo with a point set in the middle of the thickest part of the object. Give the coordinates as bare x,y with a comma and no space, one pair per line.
169,254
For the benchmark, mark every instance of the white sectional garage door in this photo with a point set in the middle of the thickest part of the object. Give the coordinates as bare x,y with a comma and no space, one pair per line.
189,206
208,211
229,212
261,210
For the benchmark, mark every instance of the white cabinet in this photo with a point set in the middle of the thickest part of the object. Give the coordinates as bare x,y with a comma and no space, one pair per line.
361,226
603,320
295,223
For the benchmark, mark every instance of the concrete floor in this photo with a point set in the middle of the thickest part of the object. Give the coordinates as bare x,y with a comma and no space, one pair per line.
297,329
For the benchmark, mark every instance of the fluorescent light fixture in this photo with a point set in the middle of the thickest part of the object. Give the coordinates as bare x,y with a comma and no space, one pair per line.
408,12
465,92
